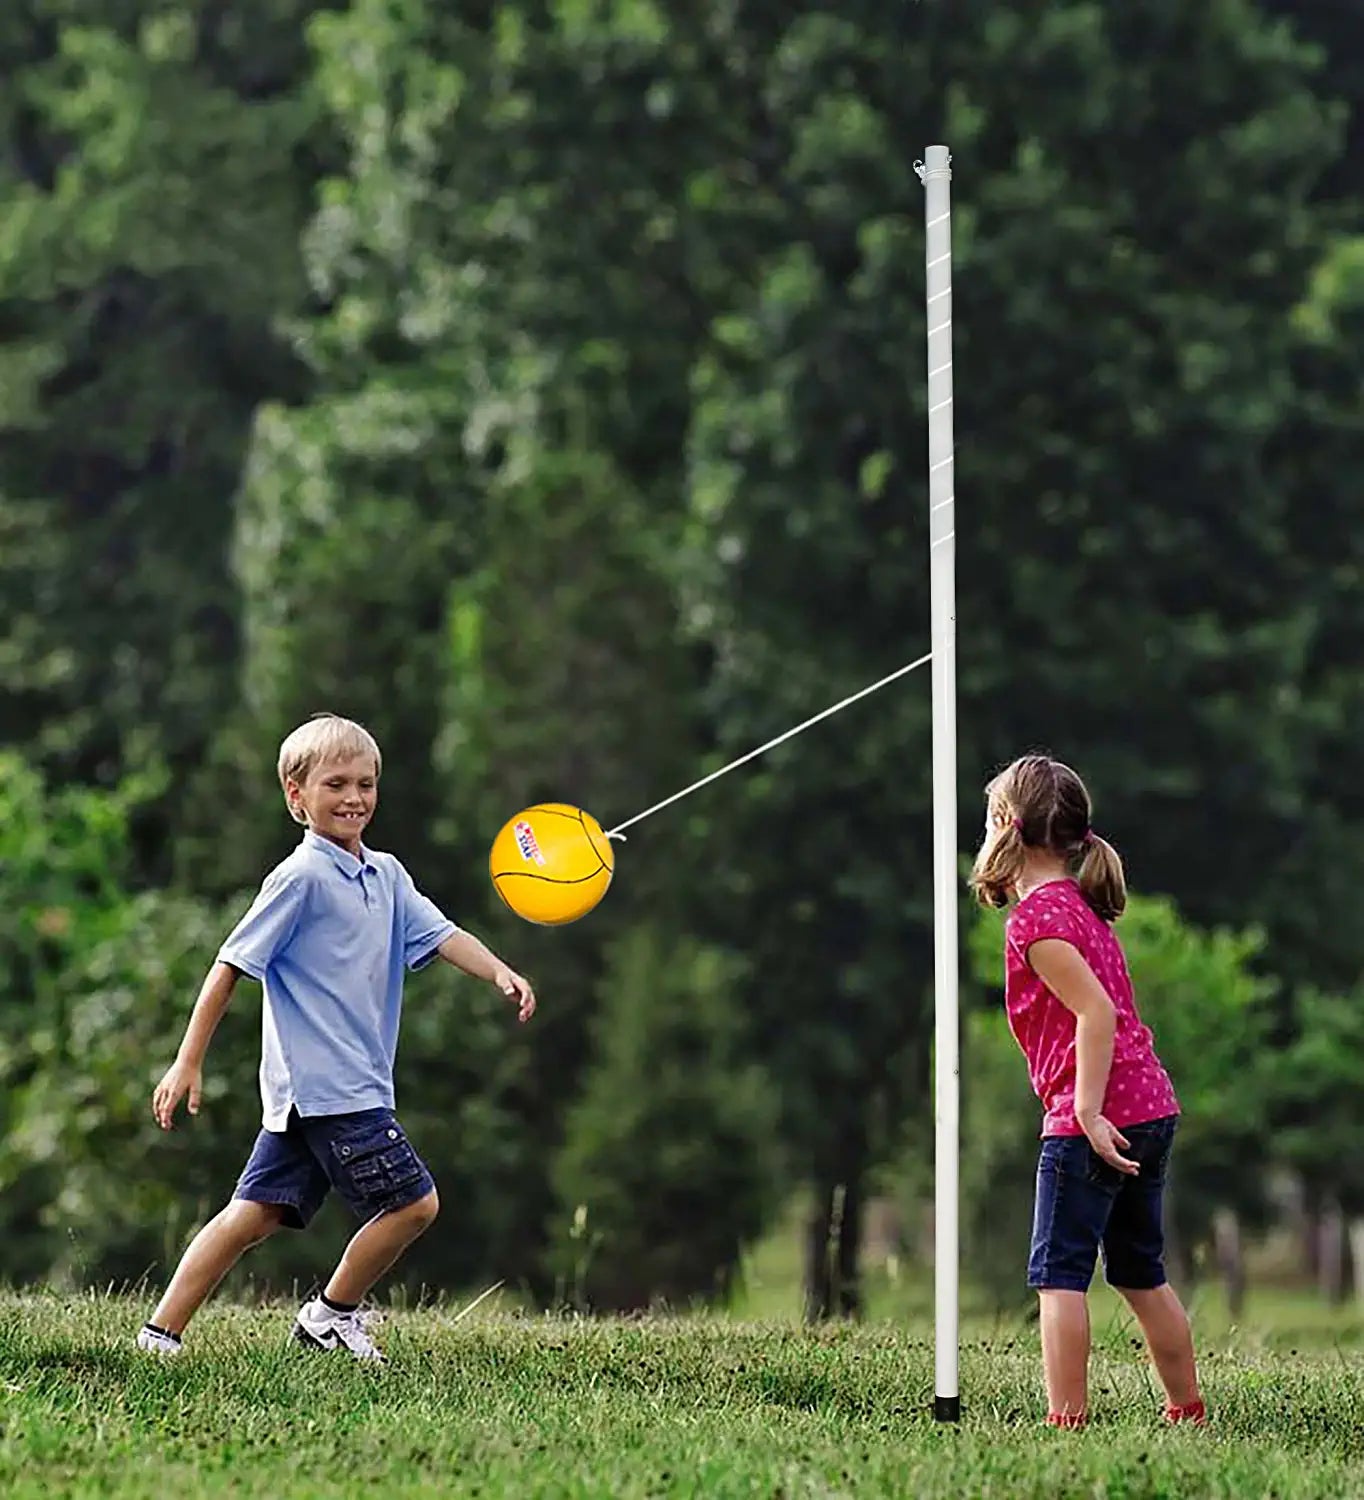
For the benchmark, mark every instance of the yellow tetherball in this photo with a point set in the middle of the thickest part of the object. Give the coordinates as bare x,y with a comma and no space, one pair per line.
551,863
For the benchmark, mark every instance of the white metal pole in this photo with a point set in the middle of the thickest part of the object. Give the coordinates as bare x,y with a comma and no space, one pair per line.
936,174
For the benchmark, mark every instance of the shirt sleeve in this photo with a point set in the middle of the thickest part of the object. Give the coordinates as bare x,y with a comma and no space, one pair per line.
1042,918
424,925
269,923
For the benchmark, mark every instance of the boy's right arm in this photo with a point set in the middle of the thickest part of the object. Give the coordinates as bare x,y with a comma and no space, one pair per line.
186,1073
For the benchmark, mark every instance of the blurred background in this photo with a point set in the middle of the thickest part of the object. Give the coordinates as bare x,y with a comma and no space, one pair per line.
542,384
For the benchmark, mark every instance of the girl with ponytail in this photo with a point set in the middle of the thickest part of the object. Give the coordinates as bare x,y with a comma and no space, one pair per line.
1110,1111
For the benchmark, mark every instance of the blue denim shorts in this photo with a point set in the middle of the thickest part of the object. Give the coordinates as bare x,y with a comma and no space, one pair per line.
1084,1205
365,1156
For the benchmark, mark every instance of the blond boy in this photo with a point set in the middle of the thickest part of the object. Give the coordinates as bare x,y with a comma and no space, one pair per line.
328,936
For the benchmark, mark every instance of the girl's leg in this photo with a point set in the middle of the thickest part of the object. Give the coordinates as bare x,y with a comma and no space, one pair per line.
1166,1326
1070,1214
1065,1353
376,1246
212,1253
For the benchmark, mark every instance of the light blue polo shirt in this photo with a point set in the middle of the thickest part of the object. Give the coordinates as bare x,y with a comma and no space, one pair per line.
329,936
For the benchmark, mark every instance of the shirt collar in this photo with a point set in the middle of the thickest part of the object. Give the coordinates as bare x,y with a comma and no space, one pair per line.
344,861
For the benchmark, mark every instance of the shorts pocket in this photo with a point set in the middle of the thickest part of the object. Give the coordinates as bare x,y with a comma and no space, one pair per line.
1156,1149
1100,1172
1067,1156
378,1163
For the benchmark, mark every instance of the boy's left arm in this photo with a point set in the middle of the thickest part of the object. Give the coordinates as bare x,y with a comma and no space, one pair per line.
467,953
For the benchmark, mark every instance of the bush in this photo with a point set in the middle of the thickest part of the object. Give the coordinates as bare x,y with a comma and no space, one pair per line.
669,1160
98,982
1210,1013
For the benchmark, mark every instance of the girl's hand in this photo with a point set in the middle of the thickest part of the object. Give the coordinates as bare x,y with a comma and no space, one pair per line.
517,990
1106,1140
180,1079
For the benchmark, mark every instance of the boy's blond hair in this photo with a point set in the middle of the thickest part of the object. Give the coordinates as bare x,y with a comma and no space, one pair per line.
324,738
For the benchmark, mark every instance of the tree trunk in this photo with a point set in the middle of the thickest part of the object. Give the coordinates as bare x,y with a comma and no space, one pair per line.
833,1236
1357,1257
1311,1233
848,1290
1178,1251
819,1299
1231,1263
1331,1261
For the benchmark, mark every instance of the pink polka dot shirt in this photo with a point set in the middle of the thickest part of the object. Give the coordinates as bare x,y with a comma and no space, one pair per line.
1138,1086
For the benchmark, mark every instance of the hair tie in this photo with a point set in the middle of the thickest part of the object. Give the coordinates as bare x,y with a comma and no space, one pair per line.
1087,838
1018,824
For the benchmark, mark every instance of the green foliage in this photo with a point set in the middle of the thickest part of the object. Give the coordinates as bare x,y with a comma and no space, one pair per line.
1130,446
98,982
668,1164
1316,1081
1212,1015
542,385
152,191
1205,996
998,1161
487,421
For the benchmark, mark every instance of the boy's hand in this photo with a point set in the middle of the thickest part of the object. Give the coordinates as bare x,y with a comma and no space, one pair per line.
516,990
180,1079
1107,1141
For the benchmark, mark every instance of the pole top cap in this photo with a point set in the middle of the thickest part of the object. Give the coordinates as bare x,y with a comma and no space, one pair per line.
937,162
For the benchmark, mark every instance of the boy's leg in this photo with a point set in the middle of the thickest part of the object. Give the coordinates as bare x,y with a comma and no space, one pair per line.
212,1253
281,1185
376,1247
1134,1256
370,1162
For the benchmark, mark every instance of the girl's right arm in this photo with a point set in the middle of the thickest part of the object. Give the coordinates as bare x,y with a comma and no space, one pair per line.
186,1073
1066,974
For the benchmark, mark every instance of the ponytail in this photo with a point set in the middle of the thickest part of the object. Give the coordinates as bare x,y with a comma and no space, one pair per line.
1101,879
1039,803
998,866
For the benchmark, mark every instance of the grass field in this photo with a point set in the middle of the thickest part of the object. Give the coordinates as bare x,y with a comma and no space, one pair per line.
504,1405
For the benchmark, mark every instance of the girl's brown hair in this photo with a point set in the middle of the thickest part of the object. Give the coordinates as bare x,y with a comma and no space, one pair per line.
1038,803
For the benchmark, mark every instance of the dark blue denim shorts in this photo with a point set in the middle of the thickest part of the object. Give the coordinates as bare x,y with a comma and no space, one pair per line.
365,1156
1083,1206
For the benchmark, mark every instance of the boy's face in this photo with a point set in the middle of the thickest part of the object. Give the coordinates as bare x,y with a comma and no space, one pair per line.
338,799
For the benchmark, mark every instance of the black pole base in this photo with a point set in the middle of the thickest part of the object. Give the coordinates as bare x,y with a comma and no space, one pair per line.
947,1408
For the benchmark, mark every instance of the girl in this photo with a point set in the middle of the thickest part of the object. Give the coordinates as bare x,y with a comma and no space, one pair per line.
1110,1111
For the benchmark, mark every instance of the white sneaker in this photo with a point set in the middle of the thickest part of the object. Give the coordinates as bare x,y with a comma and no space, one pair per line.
154,1341
318,1327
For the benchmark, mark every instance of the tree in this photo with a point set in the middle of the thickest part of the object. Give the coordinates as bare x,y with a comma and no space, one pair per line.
1330,26
1125,395
1316,1083
667,1167
1212,1015
99,982
447,504
155,165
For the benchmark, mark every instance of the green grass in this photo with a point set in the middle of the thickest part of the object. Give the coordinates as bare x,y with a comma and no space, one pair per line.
501,1405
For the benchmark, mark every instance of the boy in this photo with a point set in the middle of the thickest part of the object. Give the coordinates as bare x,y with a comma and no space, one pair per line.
328,936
